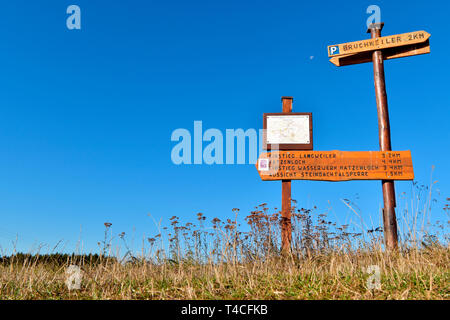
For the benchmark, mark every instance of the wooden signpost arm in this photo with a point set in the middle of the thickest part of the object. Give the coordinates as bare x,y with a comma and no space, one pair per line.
389,218
286,226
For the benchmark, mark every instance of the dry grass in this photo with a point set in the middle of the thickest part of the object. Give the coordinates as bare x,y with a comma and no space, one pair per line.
221,262
414,275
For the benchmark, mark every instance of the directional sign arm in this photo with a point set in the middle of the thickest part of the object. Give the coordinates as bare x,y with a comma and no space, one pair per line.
381,43
335,165
388,54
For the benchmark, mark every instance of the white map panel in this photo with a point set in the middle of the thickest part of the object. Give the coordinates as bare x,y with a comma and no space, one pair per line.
288,129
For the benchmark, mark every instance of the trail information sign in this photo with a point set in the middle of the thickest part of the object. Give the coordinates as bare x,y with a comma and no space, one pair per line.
388,54
335,165
289,135
287,131
393,47
380,43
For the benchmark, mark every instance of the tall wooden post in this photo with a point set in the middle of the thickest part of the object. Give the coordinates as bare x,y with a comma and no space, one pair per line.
286,227
389,218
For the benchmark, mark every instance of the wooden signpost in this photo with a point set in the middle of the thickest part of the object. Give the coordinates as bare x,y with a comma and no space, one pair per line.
287,131
286,225
377,49
289,135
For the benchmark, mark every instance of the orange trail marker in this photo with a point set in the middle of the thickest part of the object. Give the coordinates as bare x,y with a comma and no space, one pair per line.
335,165
379,43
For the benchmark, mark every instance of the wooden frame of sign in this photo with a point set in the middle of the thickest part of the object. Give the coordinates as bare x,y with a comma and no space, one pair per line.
299,140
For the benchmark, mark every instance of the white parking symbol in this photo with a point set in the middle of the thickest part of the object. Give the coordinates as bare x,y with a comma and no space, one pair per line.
334,50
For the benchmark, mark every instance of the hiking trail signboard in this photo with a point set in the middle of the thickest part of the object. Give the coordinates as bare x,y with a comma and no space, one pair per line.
288,135
335,165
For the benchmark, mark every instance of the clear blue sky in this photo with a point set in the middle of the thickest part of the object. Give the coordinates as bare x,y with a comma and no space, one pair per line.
86,115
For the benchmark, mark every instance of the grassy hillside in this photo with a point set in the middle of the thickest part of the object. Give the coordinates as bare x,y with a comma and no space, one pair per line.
214,259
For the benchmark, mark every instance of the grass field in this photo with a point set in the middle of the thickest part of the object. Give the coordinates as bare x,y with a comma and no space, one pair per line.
416,275
192,261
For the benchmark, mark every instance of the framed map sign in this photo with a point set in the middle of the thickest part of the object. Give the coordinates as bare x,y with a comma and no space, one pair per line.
288,131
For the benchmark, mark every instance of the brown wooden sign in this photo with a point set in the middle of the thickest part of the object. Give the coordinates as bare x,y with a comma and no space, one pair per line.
335,165
388,54
380,43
